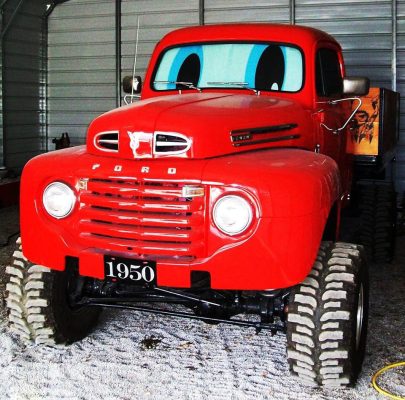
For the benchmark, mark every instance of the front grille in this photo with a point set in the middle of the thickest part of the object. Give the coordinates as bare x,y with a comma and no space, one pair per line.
148,218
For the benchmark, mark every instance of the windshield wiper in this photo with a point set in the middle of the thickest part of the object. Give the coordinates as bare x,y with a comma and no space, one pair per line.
243,85
189,85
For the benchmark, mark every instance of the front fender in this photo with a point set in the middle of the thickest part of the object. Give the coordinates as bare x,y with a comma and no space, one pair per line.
287,182
295,191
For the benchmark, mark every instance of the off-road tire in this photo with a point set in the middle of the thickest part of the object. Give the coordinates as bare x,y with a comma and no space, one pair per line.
37,304
325,343
378,220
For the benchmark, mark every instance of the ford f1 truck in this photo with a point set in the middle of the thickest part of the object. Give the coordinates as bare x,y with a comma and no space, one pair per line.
221,190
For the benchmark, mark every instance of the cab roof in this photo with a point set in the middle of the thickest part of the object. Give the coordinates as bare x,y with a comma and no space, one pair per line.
294,34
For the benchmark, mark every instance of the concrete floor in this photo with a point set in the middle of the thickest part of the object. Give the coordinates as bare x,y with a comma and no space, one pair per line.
191,360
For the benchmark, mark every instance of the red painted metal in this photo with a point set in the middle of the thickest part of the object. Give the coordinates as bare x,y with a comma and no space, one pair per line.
130,198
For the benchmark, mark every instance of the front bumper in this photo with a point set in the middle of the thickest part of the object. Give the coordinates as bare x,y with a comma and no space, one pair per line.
272,258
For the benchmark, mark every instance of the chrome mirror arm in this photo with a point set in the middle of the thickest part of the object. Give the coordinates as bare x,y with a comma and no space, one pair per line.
129,98
338,130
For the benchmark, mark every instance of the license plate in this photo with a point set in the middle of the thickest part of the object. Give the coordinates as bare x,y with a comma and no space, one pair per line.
138,272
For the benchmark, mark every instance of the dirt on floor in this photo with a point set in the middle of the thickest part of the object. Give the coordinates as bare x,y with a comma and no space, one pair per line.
140,356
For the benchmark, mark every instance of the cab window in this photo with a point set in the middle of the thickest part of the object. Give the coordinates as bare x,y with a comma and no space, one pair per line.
329,81
260,66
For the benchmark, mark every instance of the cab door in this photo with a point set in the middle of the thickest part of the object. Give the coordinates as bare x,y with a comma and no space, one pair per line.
330,115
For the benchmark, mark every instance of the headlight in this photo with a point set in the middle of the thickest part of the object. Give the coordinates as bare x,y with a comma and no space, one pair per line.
232,214
58,199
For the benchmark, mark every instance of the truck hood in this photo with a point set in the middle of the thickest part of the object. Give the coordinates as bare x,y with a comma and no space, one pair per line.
199,125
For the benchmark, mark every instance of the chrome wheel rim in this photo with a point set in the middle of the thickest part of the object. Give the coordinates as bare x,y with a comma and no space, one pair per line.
359,316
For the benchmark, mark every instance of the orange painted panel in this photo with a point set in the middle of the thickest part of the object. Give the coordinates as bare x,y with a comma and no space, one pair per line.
363,135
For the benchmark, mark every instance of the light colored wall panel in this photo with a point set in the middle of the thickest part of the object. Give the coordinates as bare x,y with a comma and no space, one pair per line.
23,95
82,54
400,173
82,44
156,19
363,28
218,11
81,66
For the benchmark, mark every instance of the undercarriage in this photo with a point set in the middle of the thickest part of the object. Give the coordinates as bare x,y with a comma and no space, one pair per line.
203,303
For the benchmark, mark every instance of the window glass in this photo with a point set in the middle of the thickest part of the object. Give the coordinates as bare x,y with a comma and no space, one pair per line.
233,65
329,80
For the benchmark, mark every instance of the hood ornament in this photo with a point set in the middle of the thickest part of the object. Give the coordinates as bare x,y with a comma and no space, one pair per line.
141,144
144,145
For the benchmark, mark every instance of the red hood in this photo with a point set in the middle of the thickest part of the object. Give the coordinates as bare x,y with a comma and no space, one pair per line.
199,125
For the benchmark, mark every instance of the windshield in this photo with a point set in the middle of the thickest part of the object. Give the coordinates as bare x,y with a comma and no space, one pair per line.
260,66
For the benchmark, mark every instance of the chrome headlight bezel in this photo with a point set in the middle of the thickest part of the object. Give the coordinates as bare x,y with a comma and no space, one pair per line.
58,207
239,222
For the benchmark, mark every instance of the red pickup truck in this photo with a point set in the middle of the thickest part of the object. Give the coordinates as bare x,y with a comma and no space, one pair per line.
221,190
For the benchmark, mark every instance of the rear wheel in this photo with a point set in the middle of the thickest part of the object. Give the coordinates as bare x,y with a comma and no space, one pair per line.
378,220
38,306
327,318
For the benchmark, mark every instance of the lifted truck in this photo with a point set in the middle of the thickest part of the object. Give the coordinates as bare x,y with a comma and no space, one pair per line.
221,190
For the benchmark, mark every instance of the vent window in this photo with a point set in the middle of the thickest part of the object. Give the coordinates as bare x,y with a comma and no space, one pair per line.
329,81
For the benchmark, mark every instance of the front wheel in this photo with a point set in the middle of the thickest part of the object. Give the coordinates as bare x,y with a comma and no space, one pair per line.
327,318
37,301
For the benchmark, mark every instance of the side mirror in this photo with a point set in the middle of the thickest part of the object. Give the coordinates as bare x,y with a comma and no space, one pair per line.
357,86
130,84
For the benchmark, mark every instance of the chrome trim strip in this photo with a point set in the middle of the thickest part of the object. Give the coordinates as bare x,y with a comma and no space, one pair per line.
269,140
265,129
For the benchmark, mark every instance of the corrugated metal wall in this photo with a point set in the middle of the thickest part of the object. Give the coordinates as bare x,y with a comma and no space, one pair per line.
82,54
81,66
1,96
218,11
23,101
366,31
401,89
351,23
156,19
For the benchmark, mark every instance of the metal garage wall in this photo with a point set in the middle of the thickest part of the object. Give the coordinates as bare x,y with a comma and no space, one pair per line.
23,96
1,98
81,66
350,21
217,11
82,45
401,89
156,19
81,54
367,31
363,28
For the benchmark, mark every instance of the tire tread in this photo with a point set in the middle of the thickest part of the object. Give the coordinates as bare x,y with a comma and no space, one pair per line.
317,342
